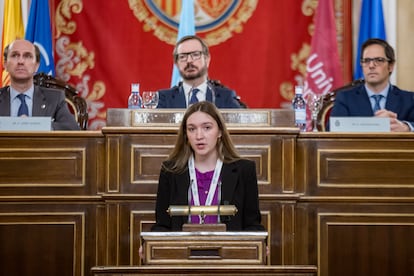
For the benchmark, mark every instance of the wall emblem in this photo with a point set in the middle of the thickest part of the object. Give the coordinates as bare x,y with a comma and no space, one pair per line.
216,21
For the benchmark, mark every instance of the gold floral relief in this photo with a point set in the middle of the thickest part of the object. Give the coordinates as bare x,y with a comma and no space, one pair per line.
64,11
286,90
94,97
298,63
309,7
75,60
213,9
84,59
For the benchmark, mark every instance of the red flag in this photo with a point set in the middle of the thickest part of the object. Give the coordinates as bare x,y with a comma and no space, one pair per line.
323,69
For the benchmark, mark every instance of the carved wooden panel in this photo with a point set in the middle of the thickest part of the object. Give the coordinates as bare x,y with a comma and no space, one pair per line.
134,161
41,165
126,220
48,238
357,167
356,238
297,270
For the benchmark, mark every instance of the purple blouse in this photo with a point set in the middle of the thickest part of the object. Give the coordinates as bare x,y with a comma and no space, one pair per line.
203,185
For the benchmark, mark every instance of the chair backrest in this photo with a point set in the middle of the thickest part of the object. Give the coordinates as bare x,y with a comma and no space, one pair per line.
328,101
76,104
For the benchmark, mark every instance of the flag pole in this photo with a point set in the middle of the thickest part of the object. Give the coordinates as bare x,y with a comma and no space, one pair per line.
186,26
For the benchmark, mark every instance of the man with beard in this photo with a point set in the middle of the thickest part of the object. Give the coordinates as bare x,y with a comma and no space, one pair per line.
24,99
192,58
377,96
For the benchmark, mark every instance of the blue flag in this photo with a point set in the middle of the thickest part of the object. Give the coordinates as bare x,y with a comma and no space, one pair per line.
39,31
186,26
371,26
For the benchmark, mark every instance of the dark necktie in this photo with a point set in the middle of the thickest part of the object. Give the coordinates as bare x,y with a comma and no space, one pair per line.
193,98
23,109
377,99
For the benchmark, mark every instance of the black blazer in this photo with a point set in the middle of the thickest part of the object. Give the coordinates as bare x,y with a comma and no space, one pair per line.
239,188
46,102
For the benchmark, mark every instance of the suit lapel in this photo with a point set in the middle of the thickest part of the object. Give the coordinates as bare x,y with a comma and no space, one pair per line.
228,182
179,98
39,102
183,184
362,102
209,95
392,99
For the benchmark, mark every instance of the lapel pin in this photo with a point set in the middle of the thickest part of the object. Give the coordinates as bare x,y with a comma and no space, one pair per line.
43,106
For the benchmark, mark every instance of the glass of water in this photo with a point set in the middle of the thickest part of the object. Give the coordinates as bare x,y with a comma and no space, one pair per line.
150,99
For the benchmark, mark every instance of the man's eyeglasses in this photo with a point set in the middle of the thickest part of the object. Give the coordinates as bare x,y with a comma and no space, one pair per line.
183,57
377,61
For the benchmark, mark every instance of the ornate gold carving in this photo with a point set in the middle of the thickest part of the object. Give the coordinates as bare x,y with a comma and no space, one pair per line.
234,24
298,64
286,90
215,37
309,7
75,60
214,8
63,15
85,59
299,60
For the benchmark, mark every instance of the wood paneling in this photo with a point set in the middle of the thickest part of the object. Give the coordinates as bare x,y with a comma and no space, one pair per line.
356,238
212,270
339,202
369,165
51,213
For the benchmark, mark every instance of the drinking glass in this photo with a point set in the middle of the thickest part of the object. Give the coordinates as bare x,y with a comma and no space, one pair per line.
315,105
150,99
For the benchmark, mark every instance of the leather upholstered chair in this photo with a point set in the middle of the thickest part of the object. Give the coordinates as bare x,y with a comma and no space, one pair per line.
327,103
77,105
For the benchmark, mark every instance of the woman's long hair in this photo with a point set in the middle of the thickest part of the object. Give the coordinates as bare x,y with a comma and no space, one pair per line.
178,159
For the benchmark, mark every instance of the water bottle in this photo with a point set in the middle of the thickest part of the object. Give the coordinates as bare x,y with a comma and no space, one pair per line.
299,106
134,99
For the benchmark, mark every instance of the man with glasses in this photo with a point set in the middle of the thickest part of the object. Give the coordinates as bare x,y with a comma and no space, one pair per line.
377,96
192,58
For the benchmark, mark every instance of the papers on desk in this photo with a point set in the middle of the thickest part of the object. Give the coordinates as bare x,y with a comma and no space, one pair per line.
26,123
359,124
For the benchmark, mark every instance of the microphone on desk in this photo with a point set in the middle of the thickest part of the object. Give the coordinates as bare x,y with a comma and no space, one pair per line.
184,210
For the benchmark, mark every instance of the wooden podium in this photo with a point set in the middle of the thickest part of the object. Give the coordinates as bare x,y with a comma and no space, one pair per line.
204,248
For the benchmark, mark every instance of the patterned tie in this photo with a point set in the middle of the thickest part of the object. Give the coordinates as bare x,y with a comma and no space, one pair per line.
23,109
377,99
193,98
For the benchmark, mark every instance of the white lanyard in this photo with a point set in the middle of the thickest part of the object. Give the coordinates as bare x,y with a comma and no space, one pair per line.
213,185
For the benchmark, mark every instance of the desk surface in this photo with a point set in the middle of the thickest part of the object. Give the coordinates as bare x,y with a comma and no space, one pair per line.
212,270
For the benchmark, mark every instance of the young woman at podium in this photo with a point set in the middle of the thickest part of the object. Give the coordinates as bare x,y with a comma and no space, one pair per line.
204,169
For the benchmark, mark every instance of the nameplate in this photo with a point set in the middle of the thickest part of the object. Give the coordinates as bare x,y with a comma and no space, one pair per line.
235,117
25,123
359,124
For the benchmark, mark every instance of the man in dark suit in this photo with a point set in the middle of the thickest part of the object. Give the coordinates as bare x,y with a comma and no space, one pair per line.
377,97
22,97
192,58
